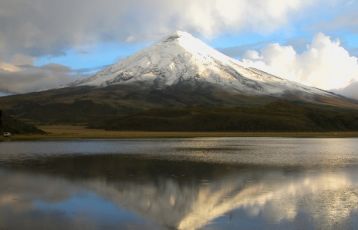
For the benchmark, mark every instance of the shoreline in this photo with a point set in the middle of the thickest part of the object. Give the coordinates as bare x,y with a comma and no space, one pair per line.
66,132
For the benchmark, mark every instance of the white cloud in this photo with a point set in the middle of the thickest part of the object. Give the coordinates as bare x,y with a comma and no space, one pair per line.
213,16
49,27
324,63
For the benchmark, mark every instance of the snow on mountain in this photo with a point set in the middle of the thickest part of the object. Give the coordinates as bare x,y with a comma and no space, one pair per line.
182,57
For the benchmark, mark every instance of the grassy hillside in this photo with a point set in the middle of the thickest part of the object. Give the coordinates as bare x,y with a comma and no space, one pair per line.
277,116
181,108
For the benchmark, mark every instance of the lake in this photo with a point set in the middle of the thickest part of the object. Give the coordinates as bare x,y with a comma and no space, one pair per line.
196,183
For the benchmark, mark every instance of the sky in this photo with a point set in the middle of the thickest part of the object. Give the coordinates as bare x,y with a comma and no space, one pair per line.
48,43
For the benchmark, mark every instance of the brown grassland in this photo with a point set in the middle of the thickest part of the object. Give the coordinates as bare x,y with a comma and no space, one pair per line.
63,132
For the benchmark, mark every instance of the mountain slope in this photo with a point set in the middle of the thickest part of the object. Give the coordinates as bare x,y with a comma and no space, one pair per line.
177,108
183,58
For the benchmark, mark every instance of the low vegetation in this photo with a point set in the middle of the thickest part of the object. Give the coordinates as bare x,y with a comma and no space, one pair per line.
131,108
279,116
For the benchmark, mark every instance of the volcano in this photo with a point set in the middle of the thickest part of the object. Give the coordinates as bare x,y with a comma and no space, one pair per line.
182,58
180,83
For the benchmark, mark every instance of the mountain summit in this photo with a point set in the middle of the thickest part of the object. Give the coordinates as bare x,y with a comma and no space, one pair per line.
181,57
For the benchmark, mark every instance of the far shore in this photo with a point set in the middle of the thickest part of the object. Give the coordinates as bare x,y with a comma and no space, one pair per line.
63,132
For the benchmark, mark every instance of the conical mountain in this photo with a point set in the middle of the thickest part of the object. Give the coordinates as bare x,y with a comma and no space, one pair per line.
182,84
181,57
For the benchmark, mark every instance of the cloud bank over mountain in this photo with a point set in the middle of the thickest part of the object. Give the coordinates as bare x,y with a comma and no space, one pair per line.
324,63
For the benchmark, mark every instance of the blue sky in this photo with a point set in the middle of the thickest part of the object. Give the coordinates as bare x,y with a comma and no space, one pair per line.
93,58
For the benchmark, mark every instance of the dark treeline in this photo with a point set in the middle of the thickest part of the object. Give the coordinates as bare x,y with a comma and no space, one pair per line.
15,126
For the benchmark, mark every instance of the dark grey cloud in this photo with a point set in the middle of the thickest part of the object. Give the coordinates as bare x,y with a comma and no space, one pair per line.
27,78
41,27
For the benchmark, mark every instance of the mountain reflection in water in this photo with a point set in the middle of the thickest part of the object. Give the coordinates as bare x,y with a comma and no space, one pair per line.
134,191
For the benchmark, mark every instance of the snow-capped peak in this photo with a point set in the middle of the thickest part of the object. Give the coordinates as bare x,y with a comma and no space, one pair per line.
195,46
182,57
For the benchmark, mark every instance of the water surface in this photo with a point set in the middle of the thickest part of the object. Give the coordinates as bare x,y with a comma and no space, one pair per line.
198,183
